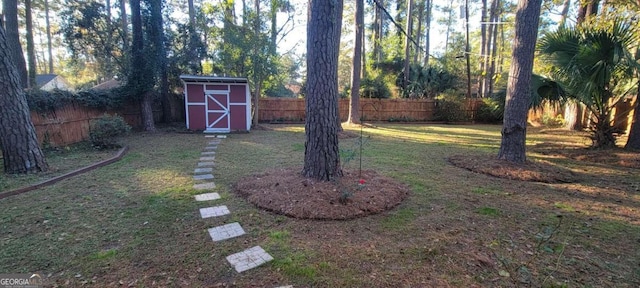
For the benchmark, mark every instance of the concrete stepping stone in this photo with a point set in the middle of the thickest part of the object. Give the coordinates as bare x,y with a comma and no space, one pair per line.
214,211
203,177
208,158
208,154
207,197
206,164
214,143
202,170
209,136
210,149
221,136
204,186
226,231
250,258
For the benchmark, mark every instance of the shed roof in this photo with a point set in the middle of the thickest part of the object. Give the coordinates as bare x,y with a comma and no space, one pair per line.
44,79
211,79
109,84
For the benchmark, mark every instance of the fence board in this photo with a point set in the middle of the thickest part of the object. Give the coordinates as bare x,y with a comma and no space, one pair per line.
70,124
293,109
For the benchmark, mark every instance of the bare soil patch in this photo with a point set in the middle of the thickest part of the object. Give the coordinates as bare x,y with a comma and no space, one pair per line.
287,192
534,171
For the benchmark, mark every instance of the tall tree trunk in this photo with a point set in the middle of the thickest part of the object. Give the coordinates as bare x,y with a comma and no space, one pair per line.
502,45
157,25
321,155
427,29
490,50
10,10
449,23
377,31
563,15
494,49
467,49
514,130
274,22
633,142
20,150
484,59
31,50
257,75
123,22
354,102
419,31
364,52
109,71
256,104
139,71
195,67
245,13
49,48
407,46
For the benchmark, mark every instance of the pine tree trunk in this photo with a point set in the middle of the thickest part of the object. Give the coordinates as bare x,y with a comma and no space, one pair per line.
427,29
494,51
467,48
256,103
123,19
514,130
10,10
563,15
139,71
321,157
633,143
491,50
146,108
418,31
484,59
31,52
195,67
20,150
354,101
274,22
407,48
49,48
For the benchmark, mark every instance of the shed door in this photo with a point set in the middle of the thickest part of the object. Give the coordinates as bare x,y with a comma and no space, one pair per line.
218,112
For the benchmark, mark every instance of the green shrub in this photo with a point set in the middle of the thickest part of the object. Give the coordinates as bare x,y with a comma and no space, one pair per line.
450,107
450,111
490,111
105,131
374,87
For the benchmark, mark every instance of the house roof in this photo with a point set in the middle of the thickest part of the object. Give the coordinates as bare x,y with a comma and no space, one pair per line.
43,79
211,79
109,84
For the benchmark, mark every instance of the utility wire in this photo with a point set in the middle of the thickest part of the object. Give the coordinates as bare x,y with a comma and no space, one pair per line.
400,27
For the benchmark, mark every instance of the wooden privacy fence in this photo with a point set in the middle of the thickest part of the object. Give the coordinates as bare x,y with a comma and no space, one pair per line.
293,109
70,124
621,117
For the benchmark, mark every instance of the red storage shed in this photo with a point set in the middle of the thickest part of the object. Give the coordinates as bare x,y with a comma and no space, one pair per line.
217,104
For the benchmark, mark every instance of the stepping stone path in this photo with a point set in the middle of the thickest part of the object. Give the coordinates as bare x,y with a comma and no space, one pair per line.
214,211
241,261
206,164
250,258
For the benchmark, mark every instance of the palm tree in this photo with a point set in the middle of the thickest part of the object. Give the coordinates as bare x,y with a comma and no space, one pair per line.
593,64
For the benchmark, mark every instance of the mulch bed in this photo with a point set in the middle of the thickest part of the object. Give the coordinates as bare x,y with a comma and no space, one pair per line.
534,171
287,192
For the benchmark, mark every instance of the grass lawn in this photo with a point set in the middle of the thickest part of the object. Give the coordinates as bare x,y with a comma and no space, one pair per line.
135,222
60,161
